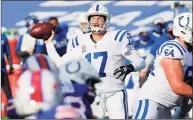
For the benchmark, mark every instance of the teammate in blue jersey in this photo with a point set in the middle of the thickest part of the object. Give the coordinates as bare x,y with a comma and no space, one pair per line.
144,44
5,50
158,28
60,38
28,45
168,35
78,78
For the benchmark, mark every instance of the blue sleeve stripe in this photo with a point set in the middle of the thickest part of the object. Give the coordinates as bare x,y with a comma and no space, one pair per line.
121,38
76,40
73,43
173,45
117,35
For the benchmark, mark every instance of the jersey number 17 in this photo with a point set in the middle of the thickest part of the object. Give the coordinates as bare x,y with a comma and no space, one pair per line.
96,55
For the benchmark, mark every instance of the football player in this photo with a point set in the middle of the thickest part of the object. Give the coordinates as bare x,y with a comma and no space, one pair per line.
27,45
106,51
38,62
37,94
5,50
173,65
60,38
78,78
152,54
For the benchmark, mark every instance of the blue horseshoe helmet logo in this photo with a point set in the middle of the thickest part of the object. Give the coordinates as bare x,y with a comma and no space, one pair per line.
188,21
72,71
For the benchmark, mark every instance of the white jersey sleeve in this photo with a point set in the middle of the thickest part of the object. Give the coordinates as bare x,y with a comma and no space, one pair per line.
52,53
129,52
172,50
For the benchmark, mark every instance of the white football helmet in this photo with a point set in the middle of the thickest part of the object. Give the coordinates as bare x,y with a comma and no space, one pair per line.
182,27
80,71
82,20
38,62
98,10
36,90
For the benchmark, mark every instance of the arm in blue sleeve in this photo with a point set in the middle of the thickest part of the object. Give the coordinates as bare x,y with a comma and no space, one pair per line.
8,52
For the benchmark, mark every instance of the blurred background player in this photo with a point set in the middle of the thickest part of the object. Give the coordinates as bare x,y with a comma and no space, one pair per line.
5,51
38,62
158,27
60,39
37,92
33,63
83,29
28,45
173,65
78,78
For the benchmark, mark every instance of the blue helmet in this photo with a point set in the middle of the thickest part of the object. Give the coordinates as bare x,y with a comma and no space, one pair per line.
158,24
31,20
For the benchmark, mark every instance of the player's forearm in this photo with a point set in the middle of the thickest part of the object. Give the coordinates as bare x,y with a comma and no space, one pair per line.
138,64
10,60
183,89
149,61
52,53
22,54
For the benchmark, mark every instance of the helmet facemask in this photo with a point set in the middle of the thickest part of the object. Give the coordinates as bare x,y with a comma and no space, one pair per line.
101,24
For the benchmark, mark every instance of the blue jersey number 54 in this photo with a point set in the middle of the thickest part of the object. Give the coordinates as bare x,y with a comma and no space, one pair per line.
96,55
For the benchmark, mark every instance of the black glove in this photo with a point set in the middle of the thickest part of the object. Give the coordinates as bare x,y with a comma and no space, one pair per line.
123,71
11,70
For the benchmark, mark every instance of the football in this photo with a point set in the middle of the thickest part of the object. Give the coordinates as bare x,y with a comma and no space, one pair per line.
42,30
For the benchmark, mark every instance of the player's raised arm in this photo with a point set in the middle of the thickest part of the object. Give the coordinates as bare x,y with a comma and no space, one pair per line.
52,53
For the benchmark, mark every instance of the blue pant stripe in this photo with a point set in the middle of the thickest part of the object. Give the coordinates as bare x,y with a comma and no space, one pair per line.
76,40
139,109
126,101
146,109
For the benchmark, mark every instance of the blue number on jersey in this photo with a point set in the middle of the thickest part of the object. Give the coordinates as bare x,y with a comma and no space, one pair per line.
103,63
167,52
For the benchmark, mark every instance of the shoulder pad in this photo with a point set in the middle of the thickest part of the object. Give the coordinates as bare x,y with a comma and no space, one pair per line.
122,34
172,49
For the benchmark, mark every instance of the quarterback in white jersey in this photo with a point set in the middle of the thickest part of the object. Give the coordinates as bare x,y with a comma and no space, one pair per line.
172,69
106,51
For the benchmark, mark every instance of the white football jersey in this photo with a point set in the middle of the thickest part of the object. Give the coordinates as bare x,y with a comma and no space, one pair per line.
72,32
106,55
157,88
